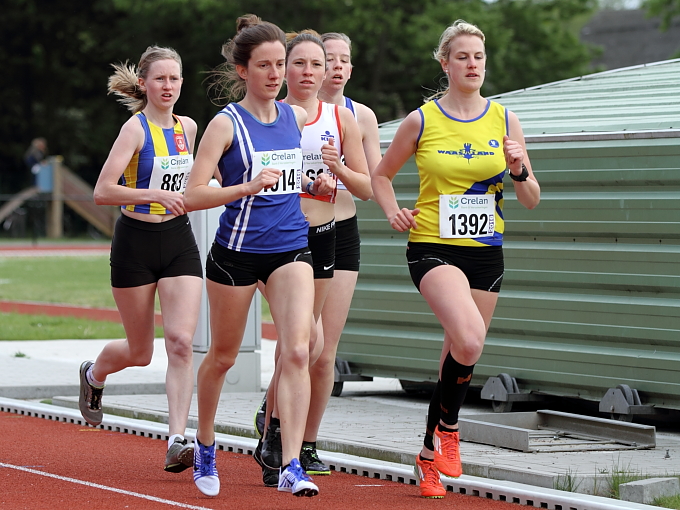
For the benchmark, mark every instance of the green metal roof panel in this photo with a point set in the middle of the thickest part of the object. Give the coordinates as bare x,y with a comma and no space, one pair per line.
640,98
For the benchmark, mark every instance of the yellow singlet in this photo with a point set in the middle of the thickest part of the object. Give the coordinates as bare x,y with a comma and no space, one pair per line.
459,157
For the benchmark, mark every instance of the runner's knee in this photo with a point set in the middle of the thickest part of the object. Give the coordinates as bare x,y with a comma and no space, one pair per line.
179,345
297,356
325,362
467,348
141,358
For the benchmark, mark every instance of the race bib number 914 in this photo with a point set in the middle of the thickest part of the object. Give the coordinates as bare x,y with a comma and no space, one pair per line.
171,173
289,162
466,216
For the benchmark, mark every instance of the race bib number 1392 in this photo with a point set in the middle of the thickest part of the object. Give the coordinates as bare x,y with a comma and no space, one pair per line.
466,216
289,162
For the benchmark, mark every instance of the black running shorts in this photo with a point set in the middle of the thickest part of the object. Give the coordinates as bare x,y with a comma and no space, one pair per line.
321,240
347,245
240,269
143,252
482,266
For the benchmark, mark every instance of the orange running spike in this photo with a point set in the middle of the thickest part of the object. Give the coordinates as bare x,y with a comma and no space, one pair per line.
430,484
447,453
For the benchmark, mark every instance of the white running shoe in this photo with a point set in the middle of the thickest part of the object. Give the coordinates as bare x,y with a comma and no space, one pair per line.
205,470
294,479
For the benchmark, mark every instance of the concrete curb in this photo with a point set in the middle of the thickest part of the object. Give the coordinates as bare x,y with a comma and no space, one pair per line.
33,392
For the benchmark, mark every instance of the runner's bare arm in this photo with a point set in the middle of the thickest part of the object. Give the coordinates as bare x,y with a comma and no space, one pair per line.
368,124
354,173
216,140
107,191
402,147
515,150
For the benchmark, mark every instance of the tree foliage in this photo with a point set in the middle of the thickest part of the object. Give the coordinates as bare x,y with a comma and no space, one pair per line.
667,9
56,58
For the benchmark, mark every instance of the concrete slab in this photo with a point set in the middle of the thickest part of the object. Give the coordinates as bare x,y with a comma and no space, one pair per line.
44,368
646,491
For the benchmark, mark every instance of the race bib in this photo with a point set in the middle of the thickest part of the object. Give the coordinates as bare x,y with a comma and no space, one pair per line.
313,165
289,162
466,216
171,173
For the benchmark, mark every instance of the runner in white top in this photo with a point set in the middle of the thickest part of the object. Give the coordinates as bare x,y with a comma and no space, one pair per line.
337,303
330,132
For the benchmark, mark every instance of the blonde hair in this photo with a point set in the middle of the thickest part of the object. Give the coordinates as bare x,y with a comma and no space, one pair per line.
306,35
337,36
459,27
251,32
124,82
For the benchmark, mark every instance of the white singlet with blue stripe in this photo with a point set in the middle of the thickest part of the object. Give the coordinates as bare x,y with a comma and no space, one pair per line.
350,105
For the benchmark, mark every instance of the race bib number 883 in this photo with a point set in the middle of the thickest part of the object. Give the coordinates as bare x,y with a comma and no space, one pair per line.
289,162
466,216
171,173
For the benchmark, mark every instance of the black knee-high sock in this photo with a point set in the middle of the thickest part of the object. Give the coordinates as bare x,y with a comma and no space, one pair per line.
455,382
433,416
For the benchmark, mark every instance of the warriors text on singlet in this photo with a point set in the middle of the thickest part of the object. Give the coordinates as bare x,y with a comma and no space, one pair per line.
164,162
461,162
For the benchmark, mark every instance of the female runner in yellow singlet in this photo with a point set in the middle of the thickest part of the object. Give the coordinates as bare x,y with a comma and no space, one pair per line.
463,144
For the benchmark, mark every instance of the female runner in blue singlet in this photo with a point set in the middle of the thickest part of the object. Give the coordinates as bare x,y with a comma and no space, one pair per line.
153,247
262,236
455,252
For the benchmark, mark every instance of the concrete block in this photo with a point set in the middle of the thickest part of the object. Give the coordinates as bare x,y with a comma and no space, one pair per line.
476,469
644,491
525,476
244,376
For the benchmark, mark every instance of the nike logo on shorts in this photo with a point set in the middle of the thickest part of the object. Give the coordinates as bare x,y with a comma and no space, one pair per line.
327,268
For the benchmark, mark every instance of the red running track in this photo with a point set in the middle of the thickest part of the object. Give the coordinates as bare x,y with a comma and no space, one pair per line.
49,464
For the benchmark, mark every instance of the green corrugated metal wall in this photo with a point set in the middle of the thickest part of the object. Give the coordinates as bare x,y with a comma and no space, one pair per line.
591,294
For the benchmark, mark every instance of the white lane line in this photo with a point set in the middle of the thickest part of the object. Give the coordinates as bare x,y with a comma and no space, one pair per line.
103,487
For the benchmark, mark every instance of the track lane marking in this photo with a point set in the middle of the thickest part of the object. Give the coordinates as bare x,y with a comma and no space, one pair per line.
104,487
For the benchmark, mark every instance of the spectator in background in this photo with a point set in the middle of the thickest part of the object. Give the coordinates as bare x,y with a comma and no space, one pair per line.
35,154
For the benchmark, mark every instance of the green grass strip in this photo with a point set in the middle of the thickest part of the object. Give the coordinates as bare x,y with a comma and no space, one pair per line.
16,326
79,281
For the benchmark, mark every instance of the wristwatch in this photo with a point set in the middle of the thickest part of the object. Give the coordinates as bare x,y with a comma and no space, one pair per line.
521,177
